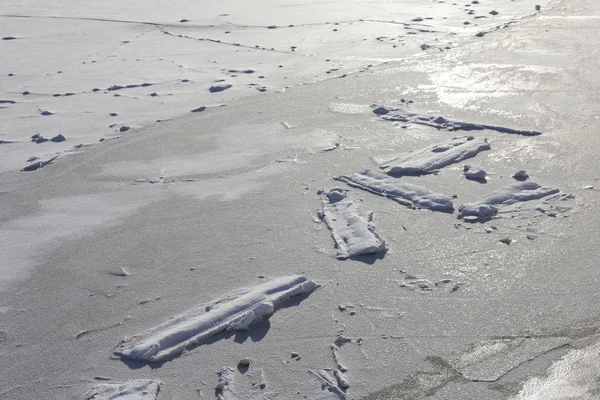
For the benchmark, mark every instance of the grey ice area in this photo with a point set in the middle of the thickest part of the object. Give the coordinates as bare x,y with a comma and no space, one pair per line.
442,123
137,389
233,312
405,193
490,205
489,360
350,225
432,158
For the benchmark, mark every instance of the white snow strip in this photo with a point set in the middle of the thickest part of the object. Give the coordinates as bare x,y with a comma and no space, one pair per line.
433,158
138,389
350,225
404,193
234,312
489,205
575,376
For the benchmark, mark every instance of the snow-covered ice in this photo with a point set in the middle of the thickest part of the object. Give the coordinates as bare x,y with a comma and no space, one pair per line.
490,205
350,225
433,158
233,312
137,389
405,193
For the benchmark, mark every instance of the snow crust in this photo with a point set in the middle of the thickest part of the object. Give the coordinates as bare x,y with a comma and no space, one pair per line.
489,205
433,158
137,389
404,193
350,225
234,312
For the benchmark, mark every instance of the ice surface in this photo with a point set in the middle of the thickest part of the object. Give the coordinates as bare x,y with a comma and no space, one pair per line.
489,360
489,205
442,123
138,389
233,312
404,193
575,376
350,224
433,158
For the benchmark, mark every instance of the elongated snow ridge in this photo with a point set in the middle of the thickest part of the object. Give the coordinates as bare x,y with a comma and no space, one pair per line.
404,193
489,205
442,123
350,225
432,158
137,389
234,312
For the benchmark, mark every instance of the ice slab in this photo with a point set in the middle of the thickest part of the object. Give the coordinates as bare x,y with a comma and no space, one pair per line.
442,123
433,158
404,193
489,360
488,206
138,389
350,224
233,312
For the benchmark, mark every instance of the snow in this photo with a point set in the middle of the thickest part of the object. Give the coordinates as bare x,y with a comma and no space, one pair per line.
490,205
433,158
138,389
233,312
405,193
350,225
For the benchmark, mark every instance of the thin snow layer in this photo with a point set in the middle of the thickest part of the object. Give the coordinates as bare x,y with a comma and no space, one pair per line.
443,123
489,206
433,158
138,389
404,193
575,376
234,312
350,224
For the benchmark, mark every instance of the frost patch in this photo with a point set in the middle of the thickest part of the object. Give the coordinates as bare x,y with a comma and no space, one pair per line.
350,225
490,205
433,158
234,312
138,389
404,193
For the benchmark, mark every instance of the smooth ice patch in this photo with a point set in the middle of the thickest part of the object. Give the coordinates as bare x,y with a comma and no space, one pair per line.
138,389
404,193
234,312
490,205
442,123
350,225
433,158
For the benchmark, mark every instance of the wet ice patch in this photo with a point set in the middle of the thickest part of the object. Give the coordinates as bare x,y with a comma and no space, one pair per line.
442,123
138,389
490,205
404,193
234,312
432,158
350,225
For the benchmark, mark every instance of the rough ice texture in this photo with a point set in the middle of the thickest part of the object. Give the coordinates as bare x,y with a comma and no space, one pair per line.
489,205
443,123
433,158
404,193
350,225
234,312
224,389
138,389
